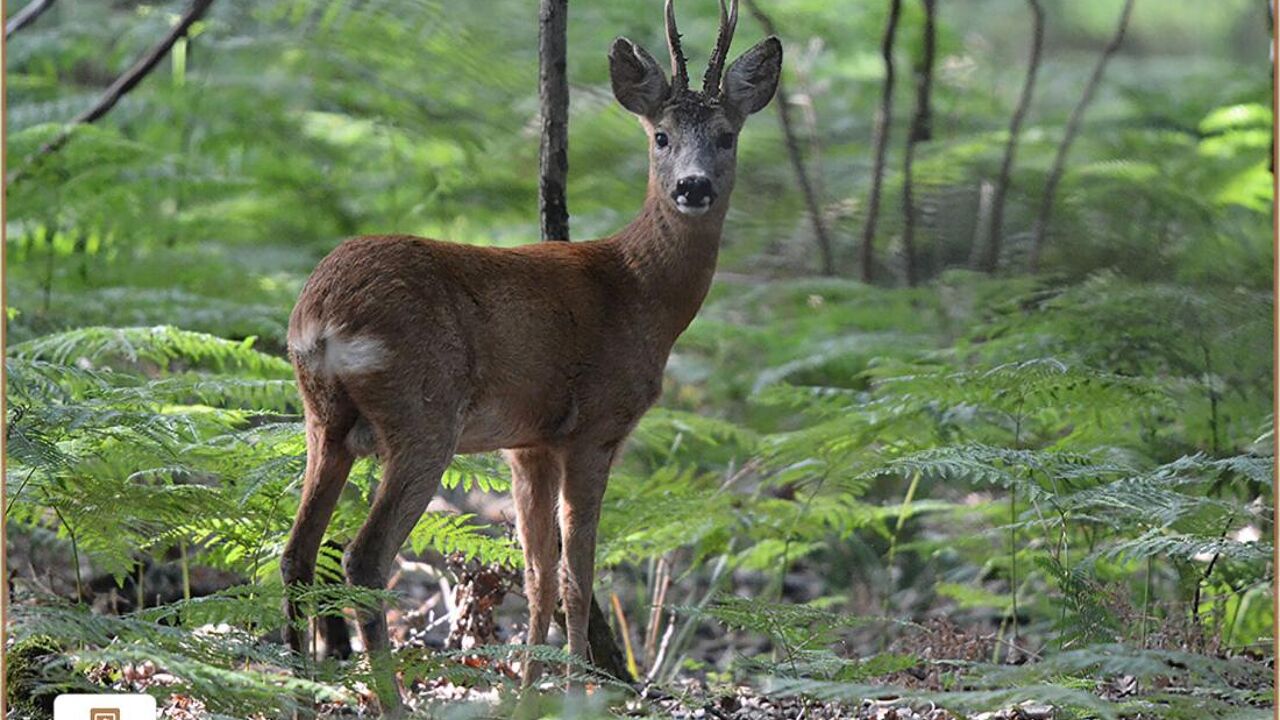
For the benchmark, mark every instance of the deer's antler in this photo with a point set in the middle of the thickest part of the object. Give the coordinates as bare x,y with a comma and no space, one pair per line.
715,67
679,68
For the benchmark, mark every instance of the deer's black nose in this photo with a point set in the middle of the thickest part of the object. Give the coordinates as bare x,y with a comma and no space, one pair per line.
694,192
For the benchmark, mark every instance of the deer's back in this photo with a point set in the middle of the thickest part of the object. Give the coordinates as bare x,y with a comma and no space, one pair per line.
536,343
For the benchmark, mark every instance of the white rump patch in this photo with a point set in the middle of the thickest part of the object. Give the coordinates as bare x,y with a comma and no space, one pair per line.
353,355
326,350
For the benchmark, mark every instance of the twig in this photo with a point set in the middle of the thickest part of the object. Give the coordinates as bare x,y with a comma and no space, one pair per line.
661,655
625,630
121,87
1073,128
991,257
713,588
811,201
883,119
25,16
1208,570
553,96
921,131
662,582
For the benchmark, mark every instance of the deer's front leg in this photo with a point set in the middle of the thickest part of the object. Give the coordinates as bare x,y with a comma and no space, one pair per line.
586,473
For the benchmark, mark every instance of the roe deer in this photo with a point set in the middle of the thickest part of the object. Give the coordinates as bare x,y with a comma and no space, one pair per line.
415,349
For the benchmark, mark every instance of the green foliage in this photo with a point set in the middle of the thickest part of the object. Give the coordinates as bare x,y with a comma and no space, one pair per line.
454,534
1078,464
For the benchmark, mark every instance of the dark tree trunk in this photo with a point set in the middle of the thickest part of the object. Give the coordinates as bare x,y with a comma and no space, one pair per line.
123,84
991,256
553,94
1073,128
811,201
921,131
883,120
25,16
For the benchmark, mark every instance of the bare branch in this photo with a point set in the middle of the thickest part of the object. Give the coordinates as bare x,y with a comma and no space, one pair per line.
122,85
820,234
883,119
1073,129
991,256
921,131
26,16
553,95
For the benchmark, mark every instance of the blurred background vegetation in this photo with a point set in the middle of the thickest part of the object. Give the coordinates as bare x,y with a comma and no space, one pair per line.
983,489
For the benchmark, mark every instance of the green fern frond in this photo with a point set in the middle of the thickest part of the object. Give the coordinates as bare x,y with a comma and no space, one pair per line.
160,346
448,533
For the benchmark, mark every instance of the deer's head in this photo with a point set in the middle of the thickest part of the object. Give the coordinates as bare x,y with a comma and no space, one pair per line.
693,135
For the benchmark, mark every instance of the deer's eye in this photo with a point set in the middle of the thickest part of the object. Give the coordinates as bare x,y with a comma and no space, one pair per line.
660,139
725,141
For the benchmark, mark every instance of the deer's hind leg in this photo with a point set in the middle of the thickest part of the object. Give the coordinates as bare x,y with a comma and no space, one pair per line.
416,440
329,417
535,484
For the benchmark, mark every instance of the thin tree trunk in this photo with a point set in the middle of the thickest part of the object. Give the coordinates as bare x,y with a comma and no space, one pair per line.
883,120
1073,128
981,224
921,131
991,257
553,211
122,85
553,94
811,201
25,16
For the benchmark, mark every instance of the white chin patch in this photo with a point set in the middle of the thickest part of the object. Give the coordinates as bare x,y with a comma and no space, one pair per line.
693,210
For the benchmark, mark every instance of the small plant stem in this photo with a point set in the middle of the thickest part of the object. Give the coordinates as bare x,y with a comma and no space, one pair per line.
75,552
795,522
1204,577
1013,520
186,569
1000,641
1013,557
17,493
625,631
1213,397
897,529
1146,604
902,515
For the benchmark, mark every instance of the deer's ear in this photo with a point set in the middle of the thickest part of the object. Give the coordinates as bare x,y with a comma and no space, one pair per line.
751,80
638,82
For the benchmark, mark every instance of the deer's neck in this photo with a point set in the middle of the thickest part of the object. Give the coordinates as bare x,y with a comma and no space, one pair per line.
673,258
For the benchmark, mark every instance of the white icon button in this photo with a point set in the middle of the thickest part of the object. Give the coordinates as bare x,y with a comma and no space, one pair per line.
104,707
